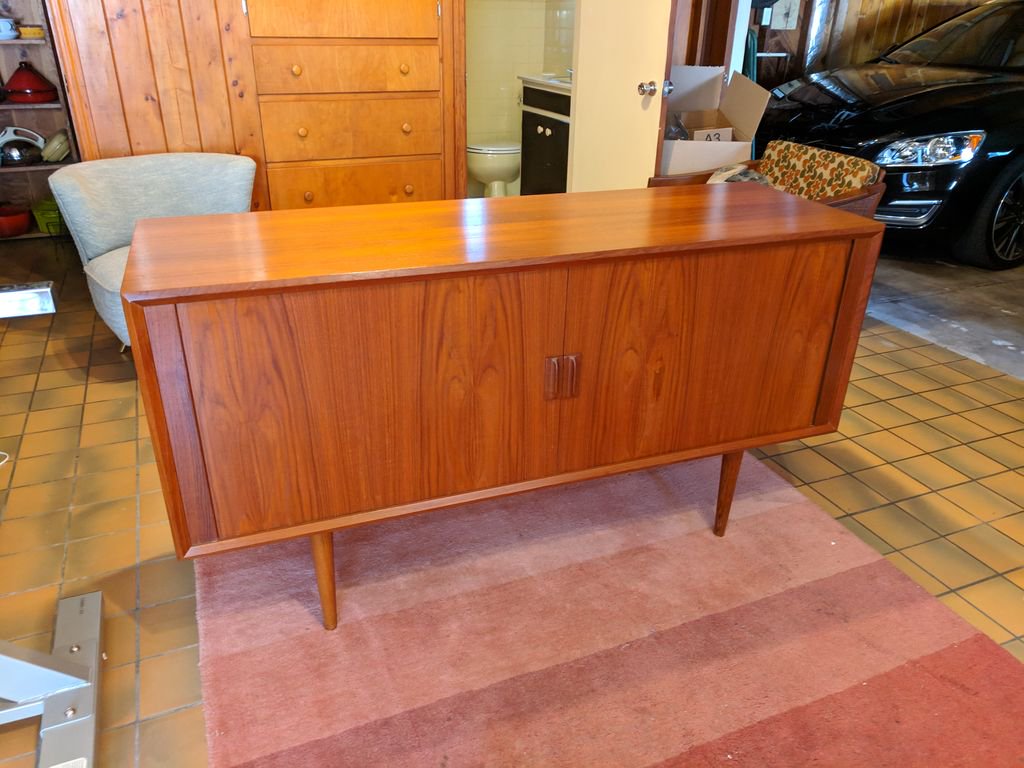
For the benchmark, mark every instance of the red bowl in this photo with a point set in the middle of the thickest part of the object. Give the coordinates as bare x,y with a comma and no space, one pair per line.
14,222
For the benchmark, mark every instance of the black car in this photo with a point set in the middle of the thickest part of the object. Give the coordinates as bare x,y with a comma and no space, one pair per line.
944,114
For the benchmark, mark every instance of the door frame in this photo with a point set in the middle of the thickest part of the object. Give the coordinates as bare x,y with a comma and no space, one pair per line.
453,79
670,46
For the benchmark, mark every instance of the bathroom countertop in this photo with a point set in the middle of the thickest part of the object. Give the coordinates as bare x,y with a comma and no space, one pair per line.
548,82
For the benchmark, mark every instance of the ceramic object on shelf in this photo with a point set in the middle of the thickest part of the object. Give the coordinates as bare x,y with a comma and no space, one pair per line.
14,221
8,29
57,147
26,86
31,32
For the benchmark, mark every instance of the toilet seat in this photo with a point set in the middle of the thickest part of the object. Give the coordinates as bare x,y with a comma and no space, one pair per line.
494,148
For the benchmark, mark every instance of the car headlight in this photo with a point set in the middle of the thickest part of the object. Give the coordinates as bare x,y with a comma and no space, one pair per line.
943,149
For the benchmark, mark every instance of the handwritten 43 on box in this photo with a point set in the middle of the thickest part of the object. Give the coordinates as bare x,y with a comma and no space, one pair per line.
723,133
721,121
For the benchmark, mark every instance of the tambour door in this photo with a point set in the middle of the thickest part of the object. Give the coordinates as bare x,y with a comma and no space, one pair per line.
699,349
319,403
332,18
337,127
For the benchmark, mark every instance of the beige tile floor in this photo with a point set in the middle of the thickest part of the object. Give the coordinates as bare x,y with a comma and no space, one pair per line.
926,467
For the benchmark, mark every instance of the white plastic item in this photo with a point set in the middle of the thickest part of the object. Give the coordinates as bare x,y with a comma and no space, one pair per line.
14,133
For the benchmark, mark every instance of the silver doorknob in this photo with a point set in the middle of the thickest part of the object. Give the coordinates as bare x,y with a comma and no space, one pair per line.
647,89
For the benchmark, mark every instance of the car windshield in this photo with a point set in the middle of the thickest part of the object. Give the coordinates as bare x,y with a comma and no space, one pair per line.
990,37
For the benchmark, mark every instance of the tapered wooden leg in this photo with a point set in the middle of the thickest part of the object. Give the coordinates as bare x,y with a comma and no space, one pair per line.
726,488
323,561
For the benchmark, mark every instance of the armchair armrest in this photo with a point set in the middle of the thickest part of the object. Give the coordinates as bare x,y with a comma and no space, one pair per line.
863,201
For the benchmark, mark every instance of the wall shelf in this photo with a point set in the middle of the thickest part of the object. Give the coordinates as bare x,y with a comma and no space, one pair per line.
45,105
25,185
33,167
30,235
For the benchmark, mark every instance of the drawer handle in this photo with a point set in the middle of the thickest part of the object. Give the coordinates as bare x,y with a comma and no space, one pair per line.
409,189
406,129
308,197
296,70
303,132
404,69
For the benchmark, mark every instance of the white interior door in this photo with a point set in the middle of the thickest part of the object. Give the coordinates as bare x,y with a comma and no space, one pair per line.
614,131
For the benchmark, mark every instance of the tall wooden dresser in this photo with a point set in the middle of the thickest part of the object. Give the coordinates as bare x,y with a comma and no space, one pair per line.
352,101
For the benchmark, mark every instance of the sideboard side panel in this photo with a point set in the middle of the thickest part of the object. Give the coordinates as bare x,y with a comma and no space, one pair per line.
856,290
163,381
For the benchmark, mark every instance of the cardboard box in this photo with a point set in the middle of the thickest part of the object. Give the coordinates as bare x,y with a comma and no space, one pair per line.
721,121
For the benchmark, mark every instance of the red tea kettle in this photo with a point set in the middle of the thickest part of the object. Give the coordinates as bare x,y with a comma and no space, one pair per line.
26,86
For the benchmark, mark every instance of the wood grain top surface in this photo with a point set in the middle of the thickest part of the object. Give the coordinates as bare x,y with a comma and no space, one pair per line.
206,256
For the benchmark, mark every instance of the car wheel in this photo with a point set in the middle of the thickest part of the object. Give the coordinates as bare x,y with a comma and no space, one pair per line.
995,238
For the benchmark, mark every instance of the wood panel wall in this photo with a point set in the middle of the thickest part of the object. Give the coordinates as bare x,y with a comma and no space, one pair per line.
147,76
854,31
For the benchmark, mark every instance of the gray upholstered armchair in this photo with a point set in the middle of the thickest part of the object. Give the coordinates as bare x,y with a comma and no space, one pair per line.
101,200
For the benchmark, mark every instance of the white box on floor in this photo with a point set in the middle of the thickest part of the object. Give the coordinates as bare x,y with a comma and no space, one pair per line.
721,121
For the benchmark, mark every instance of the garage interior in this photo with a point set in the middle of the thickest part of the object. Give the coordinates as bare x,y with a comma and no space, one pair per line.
927,465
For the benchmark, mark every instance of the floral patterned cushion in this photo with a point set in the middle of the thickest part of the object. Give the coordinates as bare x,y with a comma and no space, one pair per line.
814,173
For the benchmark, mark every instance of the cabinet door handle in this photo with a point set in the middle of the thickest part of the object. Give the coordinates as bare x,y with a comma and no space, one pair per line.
406,129
409,189
303,132
547,131
296,70
551,378
572,383
308,197
404,69
540,129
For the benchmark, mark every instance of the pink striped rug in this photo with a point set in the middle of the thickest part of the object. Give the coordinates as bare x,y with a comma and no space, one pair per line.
600,624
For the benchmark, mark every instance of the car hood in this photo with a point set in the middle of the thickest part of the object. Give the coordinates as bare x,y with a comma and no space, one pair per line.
878,100
876,85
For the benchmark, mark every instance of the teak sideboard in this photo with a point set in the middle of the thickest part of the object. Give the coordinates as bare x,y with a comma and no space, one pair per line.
308,370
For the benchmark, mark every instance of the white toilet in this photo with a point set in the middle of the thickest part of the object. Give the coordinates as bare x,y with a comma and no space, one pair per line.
494,164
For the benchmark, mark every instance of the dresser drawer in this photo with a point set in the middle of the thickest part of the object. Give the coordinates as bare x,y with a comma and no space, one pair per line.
346,68
340,128
329,183
331,18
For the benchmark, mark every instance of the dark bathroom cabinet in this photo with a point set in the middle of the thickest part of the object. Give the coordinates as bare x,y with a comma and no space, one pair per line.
545,153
